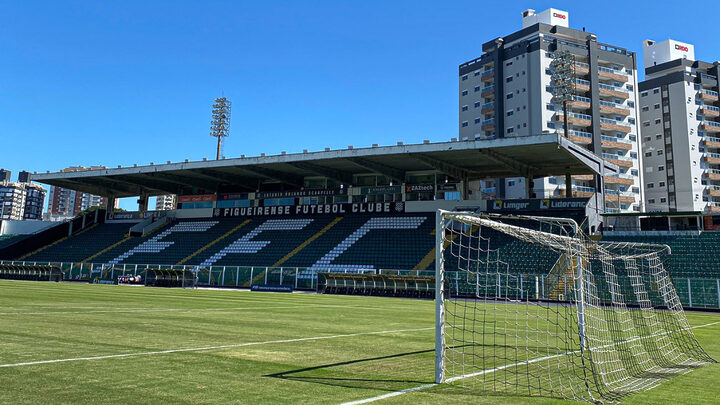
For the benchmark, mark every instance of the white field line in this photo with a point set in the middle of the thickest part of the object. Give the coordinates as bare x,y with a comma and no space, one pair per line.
136,310
205,348
489,371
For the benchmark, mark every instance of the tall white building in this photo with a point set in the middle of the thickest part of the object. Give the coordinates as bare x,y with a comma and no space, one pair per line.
21,200
166,202
507,92
680,127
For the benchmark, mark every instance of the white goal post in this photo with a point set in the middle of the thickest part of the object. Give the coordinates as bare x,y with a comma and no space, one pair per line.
532,306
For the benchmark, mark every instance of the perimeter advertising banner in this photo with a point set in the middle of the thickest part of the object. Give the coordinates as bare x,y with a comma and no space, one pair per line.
196,198
311,210
550,204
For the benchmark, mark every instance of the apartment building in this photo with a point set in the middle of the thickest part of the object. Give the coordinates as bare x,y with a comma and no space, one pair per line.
66,202
166,202
680,127
22,199
508,92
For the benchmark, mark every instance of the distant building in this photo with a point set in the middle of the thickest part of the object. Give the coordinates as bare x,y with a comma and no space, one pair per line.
21,200
166,202
680,116
66,202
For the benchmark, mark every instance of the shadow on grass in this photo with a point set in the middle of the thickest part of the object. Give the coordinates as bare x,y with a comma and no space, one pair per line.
324,374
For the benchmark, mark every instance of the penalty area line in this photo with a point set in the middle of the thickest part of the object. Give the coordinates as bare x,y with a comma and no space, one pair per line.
205,348
461,377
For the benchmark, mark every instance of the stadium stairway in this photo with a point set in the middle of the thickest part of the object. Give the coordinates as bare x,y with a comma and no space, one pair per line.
79,246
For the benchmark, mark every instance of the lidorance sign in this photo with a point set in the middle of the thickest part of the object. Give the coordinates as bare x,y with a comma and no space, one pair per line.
319,209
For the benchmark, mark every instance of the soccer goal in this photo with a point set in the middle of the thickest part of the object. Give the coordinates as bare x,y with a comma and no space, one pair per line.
532,306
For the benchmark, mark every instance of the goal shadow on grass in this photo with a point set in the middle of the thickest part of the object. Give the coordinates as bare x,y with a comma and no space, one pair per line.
360,371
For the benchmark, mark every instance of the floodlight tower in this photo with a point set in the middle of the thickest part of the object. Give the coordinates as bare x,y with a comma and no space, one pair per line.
220,124
563,85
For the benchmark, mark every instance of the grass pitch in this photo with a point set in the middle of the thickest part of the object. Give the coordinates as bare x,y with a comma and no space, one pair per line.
81,343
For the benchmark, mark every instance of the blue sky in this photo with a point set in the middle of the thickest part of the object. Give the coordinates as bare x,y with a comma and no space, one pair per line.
122,82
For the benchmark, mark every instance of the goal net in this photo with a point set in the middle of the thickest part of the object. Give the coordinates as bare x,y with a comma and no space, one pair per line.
531,306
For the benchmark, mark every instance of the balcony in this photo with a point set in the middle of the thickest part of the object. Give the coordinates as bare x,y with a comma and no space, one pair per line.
712,191
709,111
711,142
614,142
710,126
579,191
583,177
708,95
614,108
712,174
488,91
579,137
613,125
712,158
488,125
581,85
612,91
487,74
621,179
581,68
712,207
582,103
582,120
612,74
622,161
487,108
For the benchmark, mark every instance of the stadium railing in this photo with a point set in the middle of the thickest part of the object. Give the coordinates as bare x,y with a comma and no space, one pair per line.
694,293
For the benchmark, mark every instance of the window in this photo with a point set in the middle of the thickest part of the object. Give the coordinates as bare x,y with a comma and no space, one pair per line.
644,94
509,113
631,104
510,130
660,152
651,185
646,123
656,91
511,183
657,120
635,190
631,121
661,168
464,108
464,92
464,124
648,154
464,77
661,184
508,63
658,136
508,96
508,79
657,106
477,73
651,201
647,139
634,172
662,200
477,88
478,120
645,108
633,155
477,104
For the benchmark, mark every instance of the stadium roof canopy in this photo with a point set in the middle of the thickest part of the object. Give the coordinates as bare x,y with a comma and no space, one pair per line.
536,156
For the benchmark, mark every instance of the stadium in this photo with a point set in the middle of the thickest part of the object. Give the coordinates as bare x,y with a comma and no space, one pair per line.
498,267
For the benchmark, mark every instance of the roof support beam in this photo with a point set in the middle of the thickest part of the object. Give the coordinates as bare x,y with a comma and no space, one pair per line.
229,178
385,170
184,181
294,181
522,170
151,186
337,175
454,171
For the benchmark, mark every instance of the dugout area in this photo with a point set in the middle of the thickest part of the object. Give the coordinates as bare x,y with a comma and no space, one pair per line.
376,285
30,272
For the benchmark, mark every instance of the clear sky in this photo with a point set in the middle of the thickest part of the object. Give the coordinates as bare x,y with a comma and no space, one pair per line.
122,82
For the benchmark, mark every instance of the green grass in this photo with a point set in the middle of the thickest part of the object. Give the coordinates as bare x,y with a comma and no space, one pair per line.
49,321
